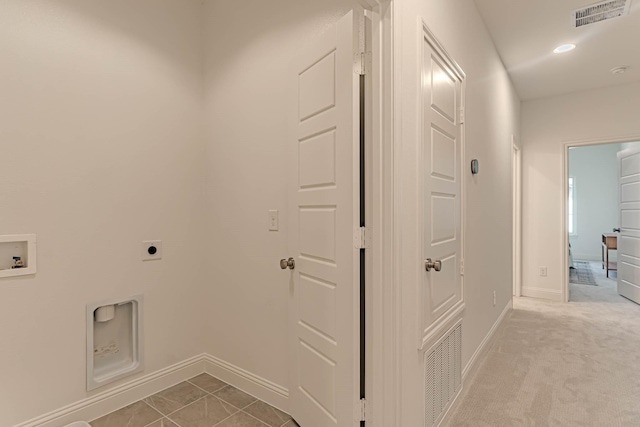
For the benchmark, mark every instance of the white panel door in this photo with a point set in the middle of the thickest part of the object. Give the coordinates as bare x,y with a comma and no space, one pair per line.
441,291
629,238
323,215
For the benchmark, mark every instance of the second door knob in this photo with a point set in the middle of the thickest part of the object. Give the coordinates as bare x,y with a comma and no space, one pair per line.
287,263
429,264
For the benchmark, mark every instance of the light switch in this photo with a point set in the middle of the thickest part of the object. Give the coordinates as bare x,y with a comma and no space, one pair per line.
273,220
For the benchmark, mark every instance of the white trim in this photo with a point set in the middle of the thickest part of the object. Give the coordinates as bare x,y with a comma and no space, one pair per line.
425,335
440,50
383,383
387,283
268,391
444,420
600,141
516,184
118,397
484,346
31,261
575,205
564,292
542,293
473,364
434,332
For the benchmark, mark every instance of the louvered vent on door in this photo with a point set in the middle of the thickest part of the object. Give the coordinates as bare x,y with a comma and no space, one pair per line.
599,12
443,374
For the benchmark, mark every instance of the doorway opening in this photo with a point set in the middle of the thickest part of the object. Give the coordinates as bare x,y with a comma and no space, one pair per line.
591,219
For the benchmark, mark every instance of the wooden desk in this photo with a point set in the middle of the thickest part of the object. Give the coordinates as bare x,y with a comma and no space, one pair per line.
609,243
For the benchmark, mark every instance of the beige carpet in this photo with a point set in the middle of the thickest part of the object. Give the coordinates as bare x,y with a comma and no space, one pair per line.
553,364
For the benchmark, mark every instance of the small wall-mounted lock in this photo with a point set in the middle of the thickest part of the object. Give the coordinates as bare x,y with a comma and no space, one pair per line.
475,167
151,249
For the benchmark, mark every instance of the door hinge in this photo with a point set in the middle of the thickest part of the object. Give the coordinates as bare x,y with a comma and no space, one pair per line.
462,267
461,115
362,63
364,411
362,238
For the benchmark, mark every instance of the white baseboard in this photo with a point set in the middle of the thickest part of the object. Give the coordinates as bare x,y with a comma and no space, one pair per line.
118,397
541,293
486,342
268,391
472,365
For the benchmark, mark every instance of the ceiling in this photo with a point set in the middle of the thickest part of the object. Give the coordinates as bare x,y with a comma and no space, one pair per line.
525,33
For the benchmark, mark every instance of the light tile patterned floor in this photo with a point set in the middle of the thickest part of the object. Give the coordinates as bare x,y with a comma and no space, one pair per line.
202,401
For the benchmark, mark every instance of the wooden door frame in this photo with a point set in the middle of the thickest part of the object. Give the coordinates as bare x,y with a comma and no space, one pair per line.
516,185
565,197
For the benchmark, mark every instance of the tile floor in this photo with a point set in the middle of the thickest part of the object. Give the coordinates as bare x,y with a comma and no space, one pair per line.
202,401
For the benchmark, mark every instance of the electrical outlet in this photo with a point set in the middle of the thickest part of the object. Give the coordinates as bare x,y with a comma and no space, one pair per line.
494,298
543,271
150,250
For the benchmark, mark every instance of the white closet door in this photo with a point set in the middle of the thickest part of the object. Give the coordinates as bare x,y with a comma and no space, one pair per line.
629,238
441,187
323,215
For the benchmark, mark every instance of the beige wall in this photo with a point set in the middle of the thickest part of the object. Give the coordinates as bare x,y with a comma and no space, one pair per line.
249,45
98,91
492,116
100,129
547,124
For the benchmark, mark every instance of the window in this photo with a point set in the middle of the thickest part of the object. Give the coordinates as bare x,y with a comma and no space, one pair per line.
571,209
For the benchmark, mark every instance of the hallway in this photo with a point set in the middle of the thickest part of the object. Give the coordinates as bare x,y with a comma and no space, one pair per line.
560,364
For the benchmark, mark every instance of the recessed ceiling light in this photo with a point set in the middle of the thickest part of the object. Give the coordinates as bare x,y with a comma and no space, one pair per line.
564,48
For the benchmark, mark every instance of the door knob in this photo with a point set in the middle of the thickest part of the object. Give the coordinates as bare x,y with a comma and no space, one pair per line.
290,263
429,264
616,230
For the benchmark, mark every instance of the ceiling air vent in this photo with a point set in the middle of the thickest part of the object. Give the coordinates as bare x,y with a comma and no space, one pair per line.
599,12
